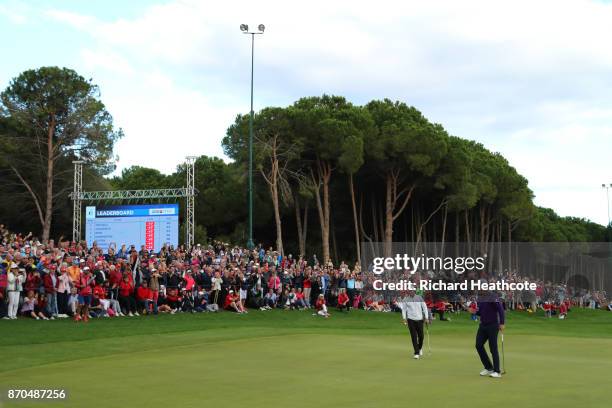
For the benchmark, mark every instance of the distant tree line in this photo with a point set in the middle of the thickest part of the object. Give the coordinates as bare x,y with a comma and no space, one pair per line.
328,174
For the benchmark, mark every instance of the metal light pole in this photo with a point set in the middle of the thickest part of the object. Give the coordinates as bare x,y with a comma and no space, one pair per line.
608,187
609,230
245,29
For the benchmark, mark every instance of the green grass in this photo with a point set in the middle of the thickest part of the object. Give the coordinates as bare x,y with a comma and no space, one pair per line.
289,358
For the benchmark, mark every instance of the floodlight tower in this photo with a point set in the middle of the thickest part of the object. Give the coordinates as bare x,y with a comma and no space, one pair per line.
245,29
608,187
190,199
76,203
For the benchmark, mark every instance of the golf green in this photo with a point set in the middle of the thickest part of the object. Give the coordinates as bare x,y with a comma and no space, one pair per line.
294,359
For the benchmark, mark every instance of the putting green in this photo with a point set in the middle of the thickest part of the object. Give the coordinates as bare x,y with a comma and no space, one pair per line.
292,359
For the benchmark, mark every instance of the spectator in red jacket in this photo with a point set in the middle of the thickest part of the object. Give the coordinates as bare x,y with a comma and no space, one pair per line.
33,281
173,299
84,285
144,295
114,278
343,300
440,308
547,309
232,302
51,283
274,283
562,310
126,297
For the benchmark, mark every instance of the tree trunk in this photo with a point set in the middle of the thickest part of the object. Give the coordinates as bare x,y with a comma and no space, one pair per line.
392,211
305,222
389,204
374,219
322,179
326,213
361,228
509,246
50,162
457,234
467,233
443,238
357,244
277,218
298,222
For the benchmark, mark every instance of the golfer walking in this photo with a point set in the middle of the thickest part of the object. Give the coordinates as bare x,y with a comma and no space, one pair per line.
492,319
415,313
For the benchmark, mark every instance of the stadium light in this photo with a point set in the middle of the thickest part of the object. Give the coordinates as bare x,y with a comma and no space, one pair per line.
607,187
245,30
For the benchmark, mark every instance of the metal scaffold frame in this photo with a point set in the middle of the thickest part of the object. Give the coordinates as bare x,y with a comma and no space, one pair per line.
189,192
190,199
76,199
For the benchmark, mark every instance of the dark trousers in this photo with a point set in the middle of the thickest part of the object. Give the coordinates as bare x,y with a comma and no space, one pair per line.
128,304
488,333
62,302
416,334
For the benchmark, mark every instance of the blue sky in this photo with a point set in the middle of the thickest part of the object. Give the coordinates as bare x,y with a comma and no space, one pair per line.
528,79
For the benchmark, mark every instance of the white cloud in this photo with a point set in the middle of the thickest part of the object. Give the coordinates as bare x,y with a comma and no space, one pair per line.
17,12
528,79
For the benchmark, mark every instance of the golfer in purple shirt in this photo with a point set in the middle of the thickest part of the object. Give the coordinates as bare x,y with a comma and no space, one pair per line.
492,319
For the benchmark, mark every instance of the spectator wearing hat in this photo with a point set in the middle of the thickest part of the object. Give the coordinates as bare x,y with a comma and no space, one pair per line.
232,302
74,271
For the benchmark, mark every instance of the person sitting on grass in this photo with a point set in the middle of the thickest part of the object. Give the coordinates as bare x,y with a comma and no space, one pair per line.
188,303
321,307
232,302
29,305
343,301
270,300
374,306
173,299
200,301
291,300
300,299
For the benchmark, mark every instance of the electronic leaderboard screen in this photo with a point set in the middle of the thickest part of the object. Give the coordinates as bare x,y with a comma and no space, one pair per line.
150,225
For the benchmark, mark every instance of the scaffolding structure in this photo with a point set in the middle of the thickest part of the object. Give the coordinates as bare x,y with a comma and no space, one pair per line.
190,201
189,192
76,199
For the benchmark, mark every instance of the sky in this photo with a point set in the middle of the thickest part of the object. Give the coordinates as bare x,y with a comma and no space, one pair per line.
531,80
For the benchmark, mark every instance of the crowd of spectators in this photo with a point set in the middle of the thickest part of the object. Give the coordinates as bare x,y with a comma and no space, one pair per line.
68,279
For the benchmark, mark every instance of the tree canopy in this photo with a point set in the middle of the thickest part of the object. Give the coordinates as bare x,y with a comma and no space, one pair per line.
378,172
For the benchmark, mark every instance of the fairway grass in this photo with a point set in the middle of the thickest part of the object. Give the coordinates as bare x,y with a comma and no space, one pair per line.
293,359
